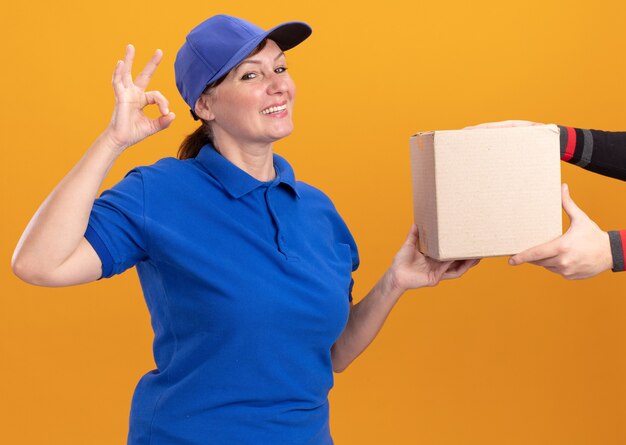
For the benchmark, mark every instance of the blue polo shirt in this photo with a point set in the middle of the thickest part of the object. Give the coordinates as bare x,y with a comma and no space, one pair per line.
248,286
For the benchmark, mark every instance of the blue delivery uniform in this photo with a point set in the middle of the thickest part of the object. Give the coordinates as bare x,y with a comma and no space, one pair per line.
248,286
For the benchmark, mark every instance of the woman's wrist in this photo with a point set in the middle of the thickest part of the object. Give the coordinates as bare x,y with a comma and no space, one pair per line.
111,142
103,152
390,285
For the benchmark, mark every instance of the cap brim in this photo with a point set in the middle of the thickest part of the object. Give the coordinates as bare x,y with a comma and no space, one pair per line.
289,34
286,36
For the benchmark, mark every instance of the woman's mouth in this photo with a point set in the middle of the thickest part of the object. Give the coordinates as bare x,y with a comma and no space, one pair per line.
274,109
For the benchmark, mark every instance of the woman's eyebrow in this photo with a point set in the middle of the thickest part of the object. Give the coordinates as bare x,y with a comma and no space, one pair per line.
258,61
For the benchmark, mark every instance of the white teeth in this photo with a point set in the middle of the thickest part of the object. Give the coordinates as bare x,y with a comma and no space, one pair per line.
274,109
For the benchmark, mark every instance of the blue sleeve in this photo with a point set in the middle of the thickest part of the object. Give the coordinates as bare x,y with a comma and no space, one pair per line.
116,225
346,237
355,263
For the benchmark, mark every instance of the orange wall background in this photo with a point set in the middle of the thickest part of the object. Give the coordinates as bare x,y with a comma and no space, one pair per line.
502,356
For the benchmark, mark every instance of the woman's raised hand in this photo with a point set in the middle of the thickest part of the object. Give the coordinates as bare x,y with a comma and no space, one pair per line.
129,124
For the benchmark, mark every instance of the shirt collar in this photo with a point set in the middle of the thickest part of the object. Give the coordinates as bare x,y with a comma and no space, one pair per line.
236,181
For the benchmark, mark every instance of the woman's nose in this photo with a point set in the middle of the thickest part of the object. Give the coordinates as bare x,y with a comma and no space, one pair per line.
279,83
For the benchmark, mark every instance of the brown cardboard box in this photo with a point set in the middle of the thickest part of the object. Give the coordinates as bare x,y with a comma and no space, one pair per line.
486,192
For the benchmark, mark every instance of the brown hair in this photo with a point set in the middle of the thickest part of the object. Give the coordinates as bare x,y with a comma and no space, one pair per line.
191,145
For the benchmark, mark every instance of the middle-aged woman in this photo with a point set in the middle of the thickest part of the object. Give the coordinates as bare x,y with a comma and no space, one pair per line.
246,271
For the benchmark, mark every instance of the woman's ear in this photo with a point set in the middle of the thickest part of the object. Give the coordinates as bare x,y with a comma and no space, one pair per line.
203,108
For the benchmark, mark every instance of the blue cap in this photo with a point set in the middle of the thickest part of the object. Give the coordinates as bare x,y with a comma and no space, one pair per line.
219,44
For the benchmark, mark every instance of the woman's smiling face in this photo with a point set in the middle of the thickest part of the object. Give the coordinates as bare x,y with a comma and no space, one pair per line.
254,103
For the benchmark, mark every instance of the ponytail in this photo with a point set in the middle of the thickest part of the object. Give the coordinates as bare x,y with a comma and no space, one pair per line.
191,145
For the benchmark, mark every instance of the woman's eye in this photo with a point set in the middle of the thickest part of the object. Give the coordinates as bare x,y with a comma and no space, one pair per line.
248,76
280,69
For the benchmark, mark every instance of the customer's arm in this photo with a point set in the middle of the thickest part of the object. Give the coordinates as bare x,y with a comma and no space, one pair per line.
602,152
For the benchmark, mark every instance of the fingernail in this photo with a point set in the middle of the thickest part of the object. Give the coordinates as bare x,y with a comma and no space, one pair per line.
512,262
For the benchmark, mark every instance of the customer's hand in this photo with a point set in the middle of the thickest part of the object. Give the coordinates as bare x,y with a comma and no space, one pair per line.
129,124
582,252
411,269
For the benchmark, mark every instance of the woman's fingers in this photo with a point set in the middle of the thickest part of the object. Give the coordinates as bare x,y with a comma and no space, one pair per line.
442,269
411,239
117,78
166,118
122,76
155,97
160,123
127,77
129,124
143,79
459,268
165,121
123,80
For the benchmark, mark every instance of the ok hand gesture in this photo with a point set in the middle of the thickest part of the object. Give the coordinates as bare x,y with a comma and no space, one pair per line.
129,124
